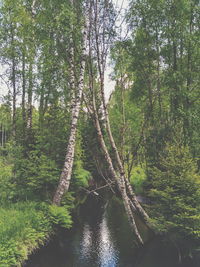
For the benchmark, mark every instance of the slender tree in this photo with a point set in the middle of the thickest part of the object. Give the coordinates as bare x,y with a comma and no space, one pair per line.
101,51
65,177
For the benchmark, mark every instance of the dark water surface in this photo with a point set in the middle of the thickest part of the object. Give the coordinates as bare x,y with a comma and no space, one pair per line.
102,238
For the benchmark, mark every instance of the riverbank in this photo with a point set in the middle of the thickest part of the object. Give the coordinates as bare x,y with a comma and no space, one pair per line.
25,226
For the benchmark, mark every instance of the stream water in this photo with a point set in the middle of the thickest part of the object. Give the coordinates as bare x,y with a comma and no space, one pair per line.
101,237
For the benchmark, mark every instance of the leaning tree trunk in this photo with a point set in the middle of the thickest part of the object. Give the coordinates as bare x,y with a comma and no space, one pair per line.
131,194
118,179
101,55
65,177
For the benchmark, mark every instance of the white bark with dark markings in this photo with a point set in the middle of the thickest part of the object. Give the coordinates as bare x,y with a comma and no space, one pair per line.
65,177
119,180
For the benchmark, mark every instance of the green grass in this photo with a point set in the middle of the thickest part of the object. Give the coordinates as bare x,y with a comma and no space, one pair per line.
25,226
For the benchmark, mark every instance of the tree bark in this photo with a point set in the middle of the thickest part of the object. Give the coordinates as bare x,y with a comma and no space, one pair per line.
30,97
23,92
119,179
124,185
139,208
65,177
13,80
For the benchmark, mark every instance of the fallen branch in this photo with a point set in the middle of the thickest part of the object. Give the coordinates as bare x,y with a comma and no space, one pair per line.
99,188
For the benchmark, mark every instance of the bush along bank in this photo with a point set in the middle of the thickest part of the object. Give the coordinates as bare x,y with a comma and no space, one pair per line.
25,226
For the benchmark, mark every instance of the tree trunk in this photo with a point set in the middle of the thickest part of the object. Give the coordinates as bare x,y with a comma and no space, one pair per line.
101,63
23,93
65,177
41,108
119,179
30,97
2,135
14,97
139,208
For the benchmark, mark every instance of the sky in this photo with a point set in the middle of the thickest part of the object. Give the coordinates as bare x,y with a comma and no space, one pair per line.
109,84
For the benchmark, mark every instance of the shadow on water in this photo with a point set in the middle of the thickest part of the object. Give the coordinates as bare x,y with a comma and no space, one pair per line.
101,237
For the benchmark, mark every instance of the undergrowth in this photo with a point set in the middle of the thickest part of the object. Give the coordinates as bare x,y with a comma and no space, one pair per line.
25,226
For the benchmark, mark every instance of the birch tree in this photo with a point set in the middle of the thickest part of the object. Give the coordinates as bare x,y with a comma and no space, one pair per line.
65,177
101,26
103,29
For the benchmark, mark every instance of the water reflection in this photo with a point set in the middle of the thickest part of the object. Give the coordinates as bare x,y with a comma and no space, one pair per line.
86,242
102,238
97,246
108,252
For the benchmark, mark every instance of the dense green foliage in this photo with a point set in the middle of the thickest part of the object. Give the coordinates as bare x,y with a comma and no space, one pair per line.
25,226
6,186
175,193
154,113
34,53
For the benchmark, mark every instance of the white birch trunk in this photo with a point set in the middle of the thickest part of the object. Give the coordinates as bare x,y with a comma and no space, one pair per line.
119,180
65,177
132,195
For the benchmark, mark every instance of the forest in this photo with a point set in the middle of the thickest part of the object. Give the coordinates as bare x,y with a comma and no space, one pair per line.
67,134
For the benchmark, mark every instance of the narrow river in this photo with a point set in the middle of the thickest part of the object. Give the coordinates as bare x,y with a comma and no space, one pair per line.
101,237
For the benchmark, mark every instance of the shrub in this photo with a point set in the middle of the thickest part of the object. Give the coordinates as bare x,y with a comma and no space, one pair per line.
137,179
60,216
6,187
81,176
175,192
38,174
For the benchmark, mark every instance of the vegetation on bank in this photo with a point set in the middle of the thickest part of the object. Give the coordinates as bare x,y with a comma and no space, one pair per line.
25,226
173,188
